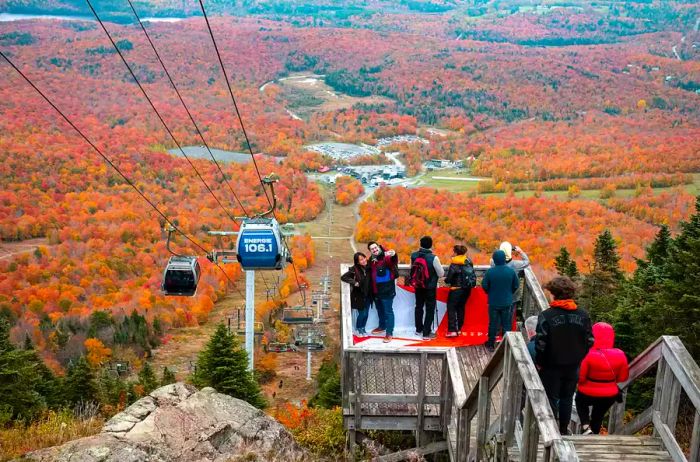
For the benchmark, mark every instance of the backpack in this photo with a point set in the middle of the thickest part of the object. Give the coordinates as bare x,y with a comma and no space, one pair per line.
419,275
468,277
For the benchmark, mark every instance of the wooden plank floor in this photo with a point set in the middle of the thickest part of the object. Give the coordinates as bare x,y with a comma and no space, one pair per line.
616,448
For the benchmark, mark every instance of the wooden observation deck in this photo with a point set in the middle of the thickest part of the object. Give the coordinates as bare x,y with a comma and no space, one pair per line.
481,406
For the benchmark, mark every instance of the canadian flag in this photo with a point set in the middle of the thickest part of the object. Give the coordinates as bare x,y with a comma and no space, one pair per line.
474,329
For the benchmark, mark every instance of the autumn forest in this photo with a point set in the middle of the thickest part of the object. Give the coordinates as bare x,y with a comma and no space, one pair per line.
567,121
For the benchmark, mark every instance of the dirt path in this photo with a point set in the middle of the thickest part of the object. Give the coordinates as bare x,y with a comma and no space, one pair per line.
12,248
334,229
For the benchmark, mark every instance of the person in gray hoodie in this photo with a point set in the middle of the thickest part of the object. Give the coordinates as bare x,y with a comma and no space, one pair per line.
500,283
519,267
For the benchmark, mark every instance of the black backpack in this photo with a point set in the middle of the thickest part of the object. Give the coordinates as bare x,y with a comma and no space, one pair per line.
468,276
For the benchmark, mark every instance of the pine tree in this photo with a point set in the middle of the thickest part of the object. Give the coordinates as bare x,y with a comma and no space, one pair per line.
19,378
676,308
565,265
605,255
657,252
80,383
328,382
147,378
28,345
601,287
223,365
168,377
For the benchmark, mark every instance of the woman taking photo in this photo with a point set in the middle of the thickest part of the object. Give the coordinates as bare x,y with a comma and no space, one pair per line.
360,292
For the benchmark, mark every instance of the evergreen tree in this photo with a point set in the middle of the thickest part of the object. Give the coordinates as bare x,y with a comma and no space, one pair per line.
602,285
328,383
111,389
565,265
147,378
676,307
19,378
168,377
657,252
80,383
223,365
28,345
329,395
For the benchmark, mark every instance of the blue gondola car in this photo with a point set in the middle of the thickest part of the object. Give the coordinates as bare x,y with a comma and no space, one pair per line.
260,245
181,276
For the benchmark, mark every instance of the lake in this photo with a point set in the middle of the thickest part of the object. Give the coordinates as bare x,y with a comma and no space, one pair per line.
9,17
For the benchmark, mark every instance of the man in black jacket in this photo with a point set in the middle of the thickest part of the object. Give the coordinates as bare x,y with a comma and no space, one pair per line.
425,296
564,336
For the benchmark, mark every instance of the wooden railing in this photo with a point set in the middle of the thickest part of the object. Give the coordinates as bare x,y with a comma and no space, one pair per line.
676,371
415,388
511,366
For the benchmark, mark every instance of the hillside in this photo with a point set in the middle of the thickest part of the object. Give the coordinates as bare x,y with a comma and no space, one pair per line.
547,125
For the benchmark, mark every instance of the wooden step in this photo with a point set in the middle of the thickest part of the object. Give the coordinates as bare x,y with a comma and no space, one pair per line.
596,448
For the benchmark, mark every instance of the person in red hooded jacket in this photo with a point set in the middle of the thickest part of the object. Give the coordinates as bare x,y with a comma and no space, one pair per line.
601,370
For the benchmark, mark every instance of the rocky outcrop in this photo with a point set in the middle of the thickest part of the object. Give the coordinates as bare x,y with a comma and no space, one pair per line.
178,423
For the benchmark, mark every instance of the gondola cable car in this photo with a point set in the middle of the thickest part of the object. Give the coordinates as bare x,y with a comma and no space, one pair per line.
260,244
181,274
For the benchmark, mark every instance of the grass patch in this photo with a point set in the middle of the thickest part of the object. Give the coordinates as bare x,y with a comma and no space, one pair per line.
53,429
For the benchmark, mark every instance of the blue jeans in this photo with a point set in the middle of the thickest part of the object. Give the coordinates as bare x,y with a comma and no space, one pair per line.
385,311
500,317
362,316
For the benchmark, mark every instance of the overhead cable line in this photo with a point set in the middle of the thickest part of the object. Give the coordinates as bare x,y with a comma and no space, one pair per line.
199,132
245,134
114,166
145,94
235,105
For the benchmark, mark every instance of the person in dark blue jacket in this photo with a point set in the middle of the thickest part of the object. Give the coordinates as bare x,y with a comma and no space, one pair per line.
500,283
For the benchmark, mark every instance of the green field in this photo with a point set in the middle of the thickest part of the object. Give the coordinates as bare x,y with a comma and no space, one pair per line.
428,180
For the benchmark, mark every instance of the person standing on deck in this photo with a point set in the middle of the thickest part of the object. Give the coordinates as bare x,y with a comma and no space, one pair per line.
461,278
383,271
564,336
361,292
500,283
519,267
426,269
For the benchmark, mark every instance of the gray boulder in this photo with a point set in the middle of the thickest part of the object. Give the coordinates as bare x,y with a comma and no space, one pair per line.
178,423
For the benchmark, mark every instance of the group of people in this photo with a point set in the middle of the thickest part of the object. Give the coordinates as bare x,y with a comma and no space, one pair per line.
573,357
373,282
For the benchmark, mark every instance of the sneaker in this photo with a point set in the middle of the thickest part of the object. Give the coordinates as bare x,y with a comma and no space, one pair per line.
378,331
451,334
361,333
490,348
586,430
419,332
430,336
388,339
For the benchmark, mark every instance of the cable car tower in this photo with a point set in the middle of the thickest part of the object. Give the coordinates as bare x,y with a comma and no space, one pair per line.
260,247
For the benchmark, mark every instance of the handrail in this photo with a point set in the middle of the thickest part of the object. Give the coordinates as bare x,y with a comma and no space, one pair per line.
676,371
512,364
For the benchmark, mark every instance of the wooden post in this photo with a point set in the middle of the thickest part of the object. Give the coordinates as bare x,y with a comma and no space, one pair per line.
423,365
466,443
482,419
357,382
658,388
531,435
445,396
695,440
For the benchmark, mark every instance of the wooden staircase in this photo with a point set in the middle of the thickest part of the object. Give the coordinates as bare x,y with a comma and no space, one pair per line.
492,423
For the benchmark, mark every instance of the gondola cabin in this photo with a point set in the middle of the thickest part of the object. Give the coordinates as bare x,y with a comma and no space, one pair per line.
260,245
181,276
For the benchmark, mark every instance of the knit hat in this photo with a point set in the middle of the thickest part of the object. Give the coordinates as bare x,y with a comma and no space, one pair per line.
507,248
